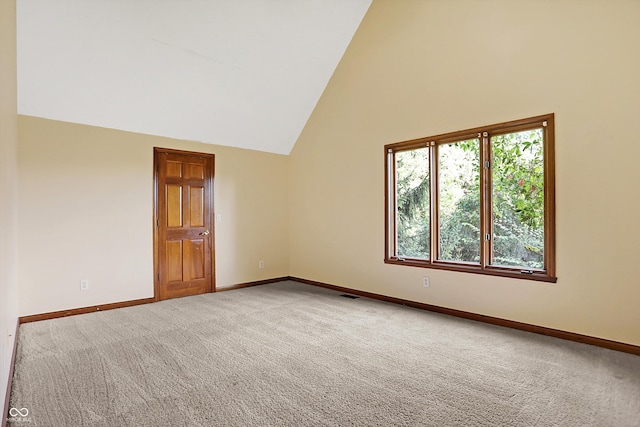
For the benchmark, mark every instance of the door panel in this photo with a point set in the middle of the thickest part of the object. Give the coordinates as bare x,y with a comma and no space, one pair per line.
174,261
184,234
174,169
174,206
196,171
194,268
196,204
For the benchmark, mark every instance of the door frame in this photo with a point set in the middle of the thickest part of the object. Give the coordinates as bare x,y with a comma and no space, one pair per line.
156,222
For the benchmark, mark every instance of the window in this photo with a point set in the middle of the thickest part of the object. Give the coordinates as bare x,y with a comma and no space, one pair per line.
480,200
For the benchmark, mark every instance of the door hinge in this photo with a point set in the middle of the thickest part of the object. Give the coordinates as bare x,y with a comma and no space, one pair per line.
487,236
157,222
487,165
158,277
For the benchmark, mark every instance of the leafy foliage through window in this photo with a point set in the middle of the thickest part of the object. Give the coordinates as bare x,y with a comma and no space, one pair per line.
480,200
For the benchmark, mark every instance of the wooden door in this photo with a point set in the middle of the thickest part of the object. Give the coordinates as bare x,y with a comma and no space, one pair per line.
183,223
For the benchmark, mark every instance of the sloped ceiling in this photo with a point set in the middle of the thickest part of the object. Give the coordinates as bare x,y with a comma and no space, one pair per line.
243,73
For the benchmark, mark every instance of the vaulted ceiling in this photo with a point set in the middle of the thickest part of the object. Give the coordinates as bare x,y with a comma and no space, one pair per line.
243,73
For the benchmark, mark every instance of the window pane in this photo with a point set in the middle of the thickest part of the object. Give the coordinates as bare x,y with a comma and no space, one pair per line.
518,199
459,201
412,201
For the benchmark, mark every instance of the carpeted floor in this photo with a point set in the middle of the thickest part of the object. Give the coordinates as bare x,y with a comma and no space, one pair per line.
288,354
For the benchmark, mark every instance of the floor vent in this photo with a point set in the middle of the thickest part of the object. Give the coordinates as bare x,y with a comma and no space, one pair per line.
349,296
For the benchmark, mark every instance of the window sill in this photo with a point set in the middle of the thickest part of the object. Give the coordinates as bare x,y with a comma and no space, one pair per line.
539,276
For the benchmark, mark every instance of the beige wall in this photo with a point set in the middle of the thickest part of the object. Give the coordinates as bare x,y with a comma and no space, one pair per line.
85,212
419,68
8,187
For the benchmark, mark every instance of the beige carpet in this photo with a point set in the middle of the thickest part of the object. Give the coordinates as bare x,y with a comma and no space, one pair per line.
288,354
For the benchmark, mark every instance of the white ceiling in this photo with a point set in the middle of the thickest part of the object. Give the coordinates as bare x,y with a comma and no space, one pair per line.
244,73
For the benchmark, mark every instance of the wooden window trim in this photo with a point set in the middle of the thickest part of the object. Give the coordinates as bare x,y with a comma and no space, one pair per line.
548,274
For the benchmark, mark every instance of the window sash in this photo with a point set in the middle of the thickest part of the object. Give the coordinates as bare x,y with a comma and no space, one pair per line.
486,264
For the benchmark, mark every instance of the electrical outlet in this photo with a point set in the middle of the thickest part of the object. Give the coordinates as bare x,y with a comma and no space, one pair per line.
84,284
261,264
425,281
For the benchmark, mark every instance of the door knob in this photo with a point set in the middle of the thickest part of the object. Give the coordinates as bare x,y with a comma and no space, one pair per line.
204,233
